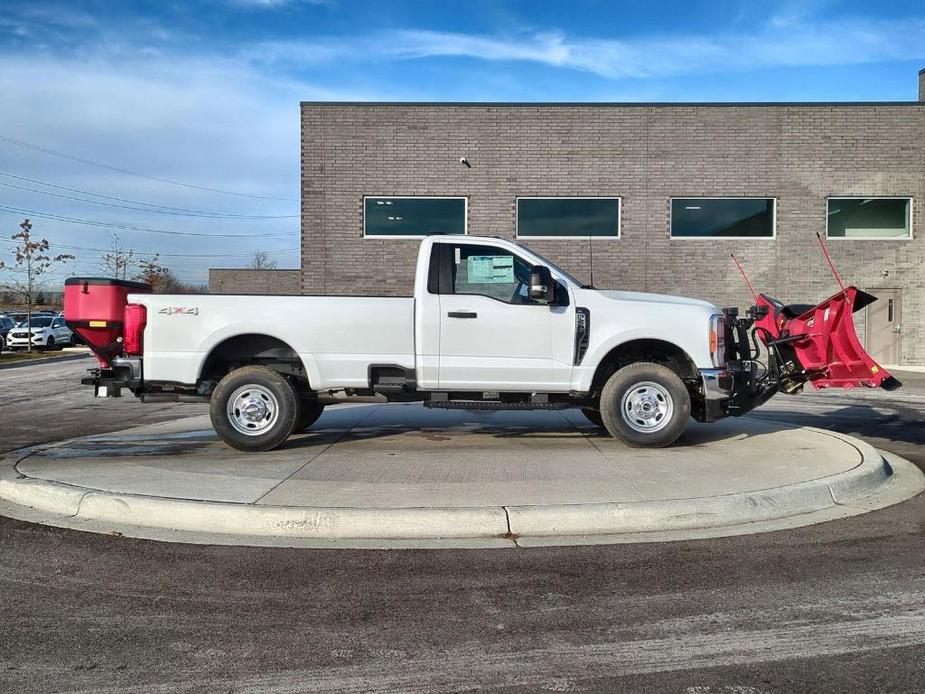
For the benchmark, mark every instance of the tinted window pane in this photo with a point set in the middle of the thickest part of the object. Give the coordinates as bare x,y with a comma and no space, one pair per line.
869,218
568,217
415,216
719,217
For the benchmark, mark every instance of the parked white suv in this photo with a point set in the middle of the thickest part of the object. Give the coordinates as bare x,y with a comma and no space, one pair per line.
47,331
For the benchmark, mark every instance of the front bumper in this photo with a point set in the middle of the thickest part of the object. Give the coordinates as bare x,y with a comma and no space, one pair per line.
717,389
22,342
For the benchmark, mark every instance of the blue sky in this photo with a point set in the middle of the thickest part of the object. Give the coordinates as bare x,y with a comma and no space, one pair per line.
206,93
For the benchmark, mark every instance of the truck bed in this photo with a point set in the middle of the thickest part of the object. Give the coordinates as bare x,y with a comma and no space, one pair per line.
337,337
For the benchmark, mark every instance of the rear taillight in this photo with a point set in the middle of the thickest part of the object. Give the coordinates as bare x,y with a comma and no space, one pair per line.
136,318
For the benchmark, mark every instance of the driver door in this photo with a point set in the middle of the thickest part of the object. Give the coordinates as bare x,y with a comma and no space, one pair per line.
492,336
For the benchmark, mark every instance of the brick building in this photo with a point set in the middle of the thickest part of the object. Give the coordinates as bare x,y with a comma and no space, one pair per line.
238,281
664,191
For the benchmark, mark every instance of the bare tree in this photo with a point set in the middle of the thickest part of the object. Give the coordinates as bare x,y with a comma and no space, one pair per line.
153,272
32,261
118,261
162,279
262,261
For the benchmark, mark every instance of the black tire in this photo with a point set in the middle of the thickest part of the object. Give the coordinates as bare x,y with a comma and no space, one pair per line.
593,416
256,400
309,412
50,344
633,398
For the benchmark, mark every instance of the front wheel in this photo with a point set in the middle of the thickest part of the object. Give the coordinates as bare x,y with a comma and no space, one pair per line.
646,405
253,409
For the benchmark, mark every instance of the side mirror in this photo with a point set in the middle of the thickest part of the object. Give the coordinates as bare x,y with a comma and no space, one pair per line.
542,288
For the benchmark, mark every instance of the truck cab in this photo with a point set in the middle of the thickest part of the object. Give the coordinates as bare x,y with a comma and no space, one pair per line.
482,326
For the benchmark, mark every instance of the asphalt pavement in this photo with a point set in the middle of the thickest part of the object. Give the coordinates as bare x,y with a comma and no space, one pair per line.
45,402
833,607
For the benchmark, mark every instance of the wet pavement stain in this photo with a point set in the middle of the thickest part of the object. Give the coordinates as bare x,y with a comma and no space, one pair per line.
123,449
207,434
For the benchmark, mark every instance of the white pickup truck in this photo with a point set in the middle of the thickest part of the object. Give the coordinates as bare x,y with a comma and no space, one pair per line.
491,325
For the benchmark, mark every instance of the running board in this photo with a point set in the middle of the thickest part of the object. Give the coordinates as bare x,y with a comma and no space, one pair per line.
494,405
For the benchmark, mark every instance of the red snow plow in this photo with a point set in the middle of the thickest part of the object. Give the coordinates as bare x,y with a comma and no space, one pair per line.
802,343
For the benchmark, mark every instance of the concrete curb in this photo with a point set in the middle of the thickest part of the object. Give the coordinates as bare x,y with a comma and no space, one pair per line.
707,512
45,360
544,524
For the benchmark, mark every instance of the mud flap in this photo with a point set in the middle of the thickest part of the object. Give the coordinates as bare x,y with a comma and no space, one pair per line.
820,345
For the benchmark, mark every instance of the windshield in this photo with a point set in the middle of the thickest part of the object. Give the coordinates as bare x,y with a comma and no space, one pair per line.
558,270
37,322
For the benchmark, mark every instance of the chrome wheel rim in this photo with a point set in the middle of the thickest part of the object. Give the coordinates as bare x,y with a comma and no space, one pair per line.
252,410
646,407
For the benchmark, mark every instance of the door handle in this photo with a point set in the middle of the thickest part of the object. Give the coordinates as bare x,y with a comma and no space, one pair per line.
463,314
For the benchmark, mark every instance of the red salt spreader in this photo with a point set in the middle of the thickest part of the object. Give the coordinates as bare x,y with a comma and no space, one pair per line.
97,309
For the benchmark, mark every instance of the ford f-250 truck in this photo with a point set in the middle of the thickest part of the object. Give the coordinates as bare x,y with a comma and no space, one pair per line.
491,325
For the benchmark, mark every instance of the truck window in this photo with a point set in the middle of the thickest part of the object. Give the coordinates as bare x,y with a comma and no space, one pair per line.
489,271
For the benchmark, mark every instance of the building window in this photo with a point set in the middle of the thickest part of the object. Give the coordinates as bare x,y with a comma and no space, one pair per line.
404,217
869,218
568,217
729,218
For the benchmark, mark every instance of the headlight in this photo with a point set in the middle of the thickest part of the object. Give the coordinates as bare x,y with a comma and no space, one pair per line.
717,339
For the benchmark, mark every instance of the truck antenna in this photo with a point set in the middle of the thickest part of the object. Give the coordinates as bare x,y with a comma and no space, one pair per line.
745,277
828,259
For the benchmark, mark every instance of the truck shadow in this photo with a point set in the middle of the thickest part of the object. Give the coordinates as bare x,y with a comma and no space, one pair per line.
416,424
896,422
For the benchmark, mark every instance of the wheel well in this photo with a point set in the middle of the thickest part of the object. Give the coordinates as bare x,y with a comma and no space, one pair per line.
657,351
243,350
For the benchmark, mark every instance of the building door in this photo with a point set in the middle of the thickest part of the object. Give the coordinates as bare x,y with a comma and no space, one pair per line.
884,326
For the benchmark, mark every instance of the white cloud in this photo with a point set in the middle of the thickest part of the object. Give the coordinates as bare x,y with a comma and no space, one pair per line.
796,12
791,44
276,4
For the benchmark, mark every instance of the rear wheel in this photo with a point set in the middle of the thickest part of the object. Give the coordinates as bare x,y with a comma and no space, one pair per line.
646,405
253,409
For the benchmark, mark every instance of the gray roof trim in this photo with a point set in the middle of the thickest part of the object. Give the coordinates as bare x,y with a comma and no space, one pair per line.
621,104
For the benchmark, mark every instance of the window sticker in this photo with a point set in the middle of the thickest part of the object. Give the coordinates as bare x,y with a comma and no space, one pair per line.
491,269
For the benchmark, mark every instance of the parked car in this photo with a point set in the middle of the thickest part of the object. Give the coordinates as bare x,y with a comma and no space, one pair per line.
21,316
49,332
6,324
